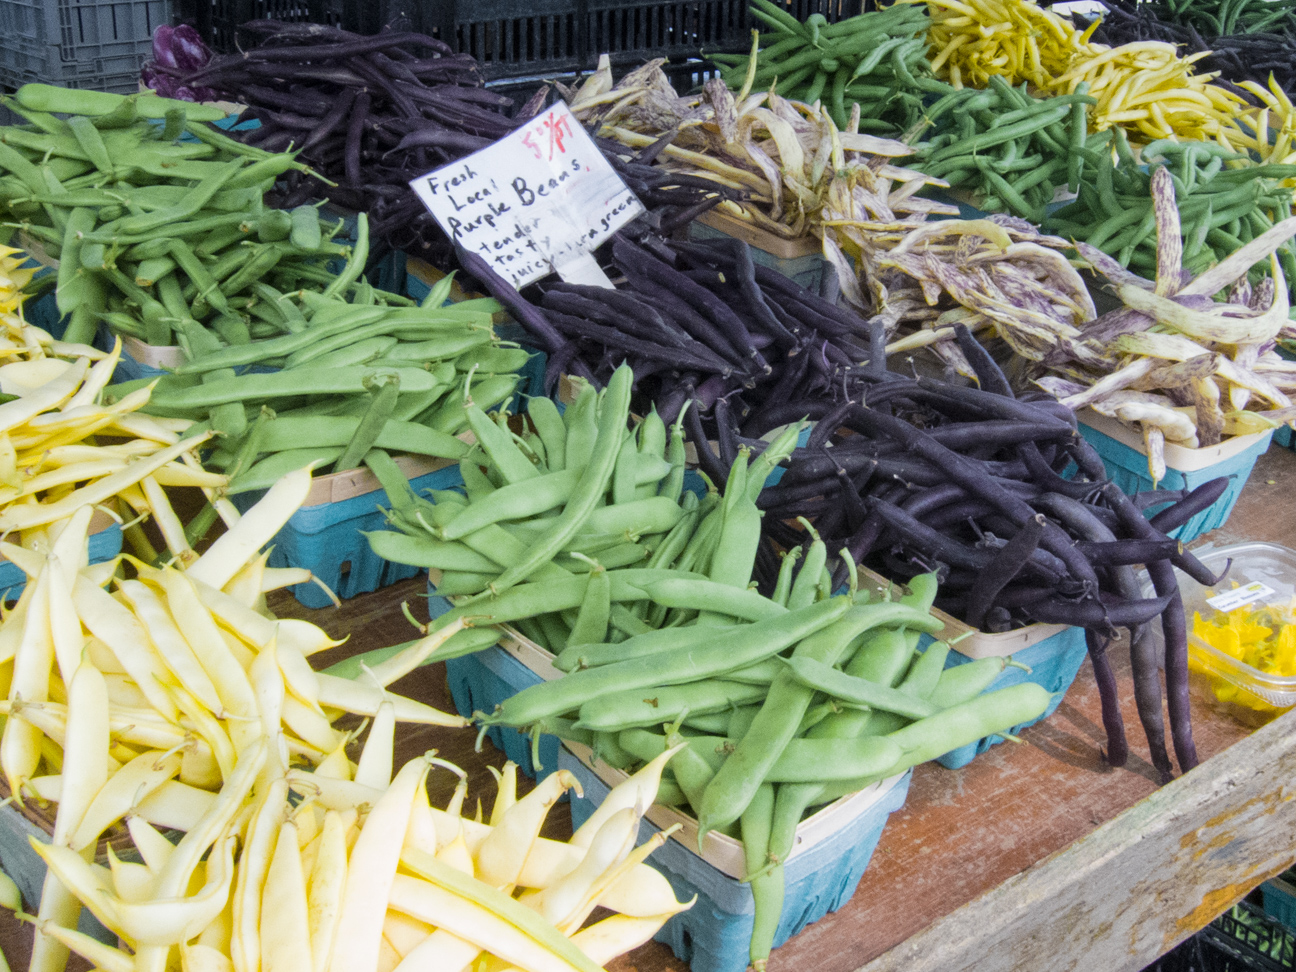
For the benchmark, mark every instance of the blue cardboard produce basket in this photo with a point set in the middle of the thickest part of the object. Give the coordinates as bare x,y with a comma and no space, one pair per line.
1122,454
799,260
833,848
1054,662
1280,900
326,536
105,544
1052,652
484,679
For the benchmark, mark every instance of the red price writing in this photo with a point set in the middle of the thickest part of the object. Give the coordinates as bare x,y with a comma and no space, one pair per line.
545,138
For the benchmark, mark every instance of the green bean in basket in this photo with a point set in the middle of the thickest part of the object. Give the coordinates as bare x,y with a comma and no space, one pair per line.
1223,199
644,601
349,382
1012,151
876,60
153,233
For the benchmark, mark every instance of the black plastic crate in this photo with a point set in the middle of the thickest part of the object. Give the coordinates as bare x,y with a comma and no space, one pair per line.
228,15
684,28
516,39
1243,939
96,44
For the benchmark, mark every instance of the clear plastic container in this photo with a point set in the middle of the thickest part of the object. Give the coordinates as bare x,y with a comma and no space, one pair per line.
1263,576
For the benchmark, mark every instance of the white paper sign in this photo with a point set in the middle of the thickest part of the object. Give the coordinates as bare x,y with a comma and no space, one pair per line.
540,198
1240,596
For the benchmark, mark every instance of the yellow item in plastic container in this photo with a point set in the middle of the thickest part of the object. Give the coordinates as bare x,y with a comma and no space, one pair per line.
1261,636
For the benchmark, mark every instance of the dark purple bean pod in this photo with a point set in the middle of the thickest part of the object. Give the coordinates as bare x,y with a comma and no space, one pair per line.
1106,612
1006,564
808,316
1044,475
618,308
850,489
627,254
479,96
988,374
441,138
668,302
1113,723
684,217
825,427
975,478
710,390
522,310
348,48
1018,595
708,461
1086,459
932,499
928,541
354,128
1157,497
782,405
696,358
1201,498
557,364
960,511
973,403
744,275
678,393
1084,521
1173,627
847,322
1118,553
1175,630
726,435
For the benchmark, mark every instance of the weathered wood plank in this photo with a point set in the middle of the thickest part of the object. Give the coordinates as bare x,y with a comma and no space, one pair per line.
1126,893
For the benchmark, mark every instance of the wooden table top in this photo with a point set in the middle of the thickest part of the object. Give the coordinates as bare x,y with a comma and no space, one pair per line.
961,832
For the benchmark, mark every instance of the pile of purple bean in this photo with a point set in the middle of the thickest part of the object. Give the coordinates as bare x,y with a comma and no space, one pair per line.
369,113
913,475
372,113
697,322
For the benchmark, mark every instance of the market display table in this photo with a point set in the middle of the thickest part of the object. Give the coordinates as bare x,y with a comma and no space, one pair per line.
1035,856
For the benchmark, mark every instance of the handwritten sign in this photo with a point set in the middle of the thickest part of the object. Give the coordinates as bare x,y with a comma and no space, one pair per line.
538,200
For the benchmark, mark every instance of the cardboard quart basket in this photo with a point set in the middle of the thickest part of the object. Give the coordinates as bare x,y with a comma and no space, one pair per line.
33,819
1124,457
1052,654
831,850
326,535
534,664
105,544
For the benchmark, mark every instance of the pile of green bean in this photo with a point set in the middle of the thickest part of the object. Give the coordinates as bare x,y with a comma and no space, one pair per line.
152,232
575,532
1011,150
571,495
876,59
352,383
1221,207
